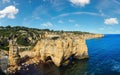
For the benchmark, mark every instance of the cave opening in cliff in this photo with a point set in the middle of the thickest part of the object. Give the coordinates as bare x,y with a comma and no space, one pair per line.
48,58
71,58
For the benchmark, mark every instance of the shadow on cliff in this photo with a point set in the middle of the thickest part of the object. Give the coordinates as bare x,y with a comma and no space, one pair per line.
47,68
1,72
77,67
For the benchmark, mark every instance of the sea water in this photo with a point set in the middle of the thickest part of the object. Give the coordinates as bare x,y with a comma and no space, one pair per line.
104,55
104,58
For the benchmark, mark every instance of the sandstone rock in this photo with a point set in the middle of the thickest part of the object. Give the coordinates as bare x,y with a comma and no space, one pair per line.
14,57
13,53
62,48
49,48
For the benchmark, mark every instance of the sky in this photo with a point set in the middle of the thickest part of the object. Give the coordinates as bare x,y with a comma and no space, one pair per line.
96,16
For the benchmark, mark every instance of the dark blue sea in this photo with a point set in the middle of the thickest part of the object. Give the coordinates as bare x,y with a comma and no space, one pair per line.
104,58
104,55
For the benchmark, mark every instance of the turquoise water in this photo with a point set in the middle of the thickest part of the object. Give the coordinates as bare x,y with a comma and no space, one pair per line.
104,58
104,55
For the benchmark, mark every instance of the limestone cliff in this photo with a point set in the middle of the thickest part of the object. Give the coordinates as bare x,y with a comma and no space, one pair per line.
13,53
61,48
58,48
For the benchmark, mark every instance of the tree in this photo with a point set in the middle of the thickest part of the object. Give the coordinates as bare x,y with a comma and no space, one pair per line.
8,27
23,40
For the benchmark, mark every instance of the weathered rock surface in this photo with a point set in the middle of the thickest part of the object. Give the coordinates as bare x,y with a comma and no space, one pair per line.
55,48
14,57
61,48
34,66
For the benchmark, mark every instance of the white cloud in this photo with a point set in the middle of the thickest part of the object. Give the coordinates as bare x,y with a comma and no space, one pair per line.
58,5
60,21
15,3
111,21
78,13
5,1
70,20
101,13
9,12
117,31
117,2
81,3
103,28
77,25
47,24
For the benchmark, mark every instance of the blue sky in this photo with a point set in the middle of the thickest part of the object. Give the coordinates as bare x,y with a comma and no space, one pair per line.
97,16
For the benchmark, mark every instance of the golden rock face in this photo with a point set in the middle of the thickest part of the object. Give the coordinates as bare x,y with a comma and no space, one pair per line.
63,47
57,48
14,56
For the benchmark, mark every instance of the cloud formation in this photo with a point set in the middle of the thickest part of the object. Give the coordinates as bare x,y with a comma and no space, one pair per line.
77,13
47,24
9,12
80,3
60,21
77,25
117,2
5,1
70,20
111,21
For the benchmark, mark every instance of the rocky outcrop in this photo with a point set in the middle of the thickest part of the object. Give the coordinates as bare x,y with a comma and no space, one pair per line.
54,48
34,66
59,49
14,57
26,64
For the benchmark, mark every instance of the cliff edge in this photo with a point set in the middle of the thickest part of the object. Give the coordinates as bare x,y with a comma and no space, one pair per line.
61,48
54,48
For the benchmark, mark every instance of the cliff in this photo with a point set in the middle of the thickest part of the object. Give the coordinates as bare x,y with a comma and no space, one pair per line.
54,48
60,49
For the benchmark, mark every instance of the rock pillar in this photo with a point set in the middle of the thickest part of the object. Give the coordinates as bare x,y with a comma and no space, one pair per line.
14,57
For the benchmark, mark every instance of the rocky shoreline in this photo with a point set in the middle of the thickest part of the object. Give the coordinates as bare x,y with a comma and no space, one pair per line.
49,53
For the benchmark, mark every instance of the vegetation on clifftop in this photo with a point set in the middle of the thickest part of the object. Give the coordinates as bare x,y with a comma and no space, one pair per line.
25,36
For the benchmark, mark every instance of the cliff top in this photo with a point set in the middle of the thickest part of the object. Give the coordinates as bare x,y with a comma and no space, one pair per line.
28,37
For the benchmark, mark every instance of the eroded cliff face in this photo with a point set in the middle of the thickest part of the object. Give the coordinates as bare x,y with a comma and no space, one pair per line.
60,48
54,48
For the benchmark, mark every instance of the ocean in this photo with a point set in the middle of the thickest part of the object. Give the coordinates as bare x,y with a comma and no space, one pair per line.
104,58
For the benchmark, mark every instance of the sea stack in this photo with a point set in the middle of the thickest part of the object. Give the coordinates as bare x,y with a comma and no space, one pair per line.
14,57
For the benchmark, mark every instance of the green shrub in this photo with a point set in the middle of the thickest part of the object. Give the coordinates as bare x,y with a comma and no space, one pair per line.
23,40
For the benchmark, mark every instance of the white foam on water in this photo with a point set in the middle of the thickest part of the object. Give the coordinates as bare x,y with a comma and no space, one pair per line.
116,66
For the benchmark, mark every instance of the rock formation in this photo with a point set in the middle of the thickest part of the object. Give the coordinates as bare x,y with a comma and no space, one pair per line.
13,53
51,47
59,49
14,57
